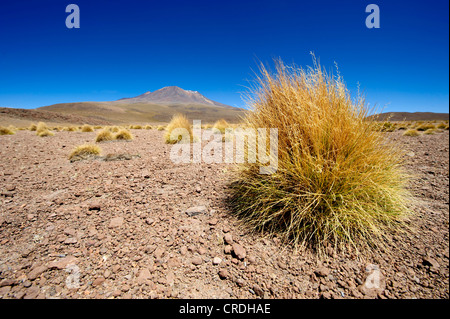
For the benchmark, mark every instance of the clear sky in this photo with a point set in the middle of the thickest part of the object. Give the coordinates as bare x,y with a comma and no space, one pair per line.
125,48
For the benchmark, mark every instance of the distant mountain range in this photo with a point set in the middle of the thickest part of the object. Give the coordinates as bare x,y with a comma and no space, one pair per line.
157,106
415,116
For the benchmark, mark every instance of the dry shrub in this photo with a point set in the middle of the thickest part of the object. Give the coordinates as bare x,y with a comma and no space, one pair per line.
430,131
6,131
87,128
411,132
103,136
441,126
123,134
339,182
136,127
70,128
44,133
84,151
41,127
425,126
32,127
114,129
221,125
161,128
179,121
148,127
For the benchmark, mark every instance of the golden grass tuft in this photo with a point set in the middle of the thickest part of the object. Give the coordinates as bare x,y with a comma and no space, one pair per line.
411,132
441,126
87,128
123,134
179,121
425,126
221,125
44,133
6,131
41,126
148,127
84,151
103,136
136,127
430,131
161,128
32,127
339,182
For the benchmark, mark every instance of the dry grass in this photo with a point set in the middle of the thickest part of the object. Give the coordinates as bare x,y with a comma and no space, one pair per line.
103,136
221,125
114,129
84,151
45,133
32,127
6,131
339,182
430,131
41,126
425,126
136,127
70,128
442,126
148,127
178,121
161,128
87,128
123,134
411,132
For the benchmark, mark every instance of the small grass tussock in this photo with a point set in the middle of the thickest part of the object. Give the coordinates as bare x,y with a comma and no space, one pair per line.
104,135
32,127
339,183
430,131
179,121
84,151
87,128
161,127
45,133
221,125
411,132
425,126
148,127
124,135
6,131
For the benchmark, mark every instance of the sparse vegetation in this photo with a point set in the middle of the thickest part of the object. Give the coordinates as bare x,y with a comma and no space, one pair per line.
32,127
148,127
103,136
339,182
87,128
161,128
411,132
41,127
178,121
123,134
221,125
136,127
430,131
425,126
44,133
6,131
84,151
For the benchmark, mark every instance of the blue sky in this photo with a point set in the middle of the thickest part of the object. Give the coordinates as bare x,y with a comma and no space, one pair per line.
125,48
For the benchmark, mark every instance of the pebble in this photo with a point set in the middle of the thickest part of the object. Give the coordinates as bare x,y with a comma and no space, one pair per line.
197,260
216,261
116,222
196,210
223,273
322,271
239,251
228,239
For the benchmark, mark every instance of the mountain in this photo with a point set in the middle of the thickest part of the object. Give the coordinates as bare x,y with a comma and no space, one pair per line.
415,116
157,106
172,95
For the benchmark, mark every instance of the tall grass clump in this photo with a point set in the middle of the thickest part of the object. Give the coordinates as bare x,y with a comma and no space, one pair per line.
179,121
6,131
87,128
339,182
123,134
221,125
84,151
411,132
41,126
44,133
104,135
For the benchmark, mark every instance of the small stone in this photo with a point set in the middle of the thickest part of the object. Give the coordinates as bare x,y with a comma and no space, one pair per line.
144,275
7,282
95,206
71,240
213,221
322,271
27,284
258,291
149,221
223,274
197,260
323,288
428,261
239,251
63,263
228,239
216,261
116,222
36,272
228,249
98,281
196,210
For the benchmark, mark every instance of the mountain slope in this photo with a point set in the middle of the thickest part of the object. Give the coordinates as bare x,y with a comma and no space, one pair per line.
157,106
415,116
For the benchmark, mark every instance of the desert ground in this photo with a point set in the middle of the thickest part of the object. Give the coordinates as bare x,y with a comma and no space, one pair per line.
144,227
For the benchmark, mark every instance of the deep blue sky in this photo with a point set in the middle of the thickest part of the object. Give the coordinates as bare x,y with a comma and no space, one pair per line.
125,48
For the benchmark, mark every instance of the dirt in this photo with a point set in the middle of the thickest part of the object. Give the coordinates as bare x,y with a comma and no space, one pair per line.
143,227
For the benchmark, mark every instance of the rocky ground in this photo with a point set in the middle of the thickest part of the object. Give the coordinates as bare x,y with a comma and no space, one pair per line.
146,228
